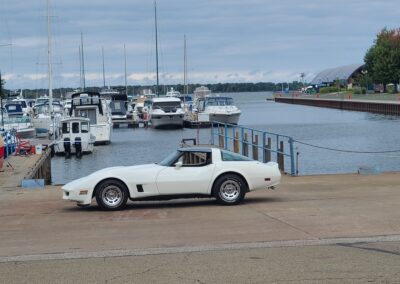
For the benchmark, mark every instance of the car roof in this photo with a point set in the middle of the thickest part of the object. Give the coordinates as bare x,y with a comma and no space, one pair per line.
195,149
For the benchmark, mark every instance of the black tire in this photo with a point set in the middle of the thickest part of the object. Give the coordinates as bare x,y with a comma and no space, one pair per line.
111,195
229,189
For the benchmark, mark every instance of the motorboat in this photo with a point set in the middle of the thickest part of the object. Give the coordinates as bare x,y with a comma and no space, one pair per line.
219,109
166,112
201,92
176,94
74,137
173,93
24,105
46,120
14,109
118,104
22,125
92,106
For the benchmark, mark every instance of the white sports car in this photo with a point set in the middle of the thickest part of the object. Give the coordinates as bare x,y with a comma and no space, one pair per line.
187,172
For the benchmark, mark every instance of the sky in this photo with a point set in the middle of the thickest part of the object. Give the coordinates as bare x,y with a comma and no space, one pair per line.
227,40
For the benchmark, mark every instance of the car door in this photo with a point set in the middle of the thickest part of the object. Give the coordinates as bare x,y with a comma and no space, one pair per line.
191,177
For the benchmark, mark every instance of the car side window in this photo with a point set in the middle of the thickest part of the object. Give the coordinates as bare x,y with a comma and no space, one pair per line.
230,156
195,159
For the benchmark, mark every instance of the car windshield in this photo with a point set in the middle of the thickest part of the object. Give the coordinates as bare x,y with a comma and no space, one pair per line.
170,159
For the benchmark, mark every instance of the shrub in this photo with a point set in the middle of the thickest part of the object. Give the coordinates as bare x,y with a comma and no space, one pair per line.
327,90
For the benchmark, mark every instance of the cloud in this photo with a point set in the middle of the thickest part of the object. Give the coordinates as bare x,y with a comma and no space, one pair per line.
226,39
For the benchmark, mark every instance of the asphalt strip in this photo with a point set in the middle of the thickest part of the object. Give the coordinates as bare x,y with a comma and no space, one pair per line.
203,248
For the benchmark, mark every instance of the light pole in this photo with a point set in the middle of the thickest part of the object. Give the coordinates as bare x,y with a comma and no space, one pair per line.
365,72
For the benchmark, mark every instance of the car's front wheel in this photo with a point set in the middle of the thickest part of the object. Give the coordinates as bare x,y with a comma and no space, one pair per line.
111,195
229,189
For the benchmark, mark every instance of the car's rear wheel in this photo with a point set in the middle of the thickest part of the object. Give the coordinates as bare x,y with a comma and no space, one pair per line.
111,195
229,189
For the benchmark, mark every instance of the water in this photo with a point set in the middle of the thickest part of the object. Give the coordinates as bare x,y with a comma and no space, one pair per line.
320,126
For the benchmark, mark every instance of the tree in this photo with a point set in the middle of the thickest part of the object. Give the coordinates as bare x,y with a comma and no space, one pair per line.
382,60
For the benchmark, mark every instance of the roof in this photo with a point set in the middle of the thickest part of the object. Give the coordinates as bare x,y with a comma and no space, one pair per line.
332,74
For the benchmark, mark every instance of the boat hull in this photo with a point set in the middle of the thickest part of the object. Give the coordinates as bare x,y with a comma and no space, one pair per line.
102,132
167,121
26,133
232,118
87,147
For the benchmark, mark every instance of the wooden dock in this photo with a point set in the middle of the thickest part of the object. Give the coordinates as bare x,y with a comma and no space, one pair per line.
381,107
125,123
31,166
196,124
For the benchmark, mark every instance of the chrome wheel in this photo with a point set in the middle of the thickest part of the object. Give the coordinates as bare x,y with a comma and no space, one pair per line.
229,190
112,196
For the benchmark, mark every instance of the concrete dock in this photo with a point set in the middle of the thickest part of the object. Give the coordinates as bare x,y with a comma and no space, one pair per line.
381,107
17,168
312,229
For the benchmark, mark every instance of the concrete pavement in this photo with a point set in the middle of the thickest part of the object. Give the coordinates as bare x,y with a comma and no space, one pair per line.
322,210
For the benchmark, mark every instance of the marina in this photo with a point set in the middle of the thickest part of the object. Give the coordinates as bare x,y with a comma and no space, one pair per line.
315,140
325,127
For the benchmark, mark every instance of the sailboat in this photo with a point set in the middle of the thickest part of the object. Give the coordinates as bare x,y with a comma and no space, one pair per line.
164,112
47,116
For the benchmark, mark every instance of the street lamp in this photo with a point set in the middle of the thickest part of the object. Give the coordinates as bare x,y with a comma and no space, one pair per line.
365,72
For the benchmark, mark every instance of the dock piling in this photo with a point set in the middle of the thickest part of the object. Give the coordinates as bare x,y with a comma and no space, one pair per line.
280,156
255,147
245,145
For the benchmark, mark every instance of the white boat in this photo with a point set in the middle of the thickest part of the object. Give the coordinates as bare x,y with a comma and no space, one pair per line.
24,104
118,103
201,92
74,137
90,105
166,112
218,109
173,93
21,125
42,119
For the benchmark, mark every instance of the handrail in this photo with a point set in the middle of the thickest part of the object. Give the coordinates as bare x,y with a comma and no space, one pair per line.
241,138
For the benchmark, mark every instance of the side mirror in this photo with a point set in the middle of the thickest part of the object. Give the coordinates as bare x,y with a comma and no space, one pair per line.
178,164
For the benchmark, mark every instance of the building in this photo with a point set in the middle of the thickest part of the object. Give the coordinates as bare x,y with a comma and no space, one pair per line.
345,75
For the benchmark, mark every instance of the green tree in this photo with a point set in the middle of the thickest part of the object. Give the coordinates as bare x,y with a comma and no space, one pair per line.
382,60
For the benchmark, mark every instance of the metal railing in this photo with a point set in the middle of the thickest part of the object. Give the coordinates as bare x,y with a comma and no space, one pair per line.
10,142
256,144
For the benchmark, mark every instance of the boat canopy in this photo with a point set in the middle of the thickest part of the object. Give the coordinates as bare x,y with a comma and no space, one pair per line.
86,99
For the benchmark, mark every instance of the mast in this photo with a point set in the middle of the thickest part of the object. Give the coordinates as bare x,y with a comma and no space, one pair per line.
49,66
185,87
83,64
80,68
126,82
155,22
104,73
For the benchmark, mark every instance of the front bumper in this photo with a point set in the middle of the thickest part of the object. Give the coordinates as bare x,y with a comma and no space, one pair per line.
80,194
